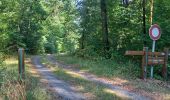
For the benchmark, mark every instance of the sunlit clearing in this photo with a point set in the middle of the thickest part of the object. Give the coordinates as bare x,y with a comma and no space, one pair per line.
73,74
167,97
44,81
43,63
32,70
84,70
34,73
79,88
117,93
119,81
11,61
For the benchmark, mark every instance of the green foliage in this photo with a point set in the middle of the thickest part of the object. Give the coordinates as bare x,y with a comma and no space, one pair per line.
1,58
1,67
21,24
162,17
76,26
103,67
60,27
125,26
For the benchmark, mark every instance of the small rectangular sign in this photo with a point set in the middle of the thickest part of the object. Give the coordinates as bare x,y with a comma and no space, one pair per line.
141,53
156,60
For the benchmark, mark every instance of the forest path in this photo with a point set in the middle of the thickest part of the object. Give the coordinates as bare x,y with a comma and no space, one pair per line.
90,77
59,87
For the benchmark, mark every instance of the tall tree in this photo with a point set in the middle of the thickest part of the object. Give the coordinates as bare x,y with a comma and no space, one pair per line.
144,21
105,28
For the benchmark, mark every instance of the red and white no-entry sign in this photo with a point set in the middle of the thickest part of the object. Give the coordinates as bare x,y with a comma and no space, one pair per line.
155,32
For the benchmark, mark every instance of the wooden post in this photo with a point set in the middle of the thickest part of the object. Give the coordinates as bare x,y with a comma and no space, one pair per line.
144,63
164,68
21,64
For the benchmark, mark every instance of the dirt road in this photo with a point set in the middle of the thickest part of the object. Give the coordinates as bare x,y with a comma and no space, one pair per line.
67,92
59,87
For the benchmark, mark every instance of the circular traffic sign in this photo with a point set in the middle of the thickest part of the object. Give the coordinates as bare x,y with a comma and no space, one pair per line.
155,32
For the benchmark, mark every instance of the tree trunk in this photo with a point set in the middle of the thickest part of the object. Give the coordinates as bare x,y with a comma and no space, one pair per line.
105,28
144,22
82,40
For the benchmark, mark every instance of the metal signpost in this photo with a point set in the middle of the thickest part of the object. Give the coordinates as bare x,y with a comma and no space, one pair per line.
155,34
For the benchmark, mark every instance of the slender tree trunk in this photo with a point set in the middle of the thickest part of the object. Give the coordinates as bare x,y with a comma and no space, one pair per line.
151,17
105,28
82,40
144,22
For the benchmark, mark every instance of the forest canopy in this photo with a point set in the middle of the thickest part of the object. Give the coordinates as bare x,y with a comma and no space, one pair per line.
85,27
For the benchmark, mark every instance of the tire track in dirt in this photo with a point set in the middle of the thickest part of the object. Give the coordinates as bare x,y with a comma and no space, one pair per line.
59,87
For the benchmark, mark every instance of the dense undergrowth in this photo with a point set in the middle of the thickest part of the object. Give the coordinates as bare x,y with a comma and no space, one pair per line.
126,66
121,66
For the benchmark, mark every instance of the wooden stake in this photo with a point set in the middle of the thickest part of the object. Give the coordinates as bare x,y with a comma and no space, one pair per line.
144,63
21,64
164,68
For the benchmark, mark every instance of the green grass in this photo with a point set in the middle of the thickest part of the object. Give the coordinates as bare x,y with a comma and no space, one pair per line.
111,69
103,67
11,89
